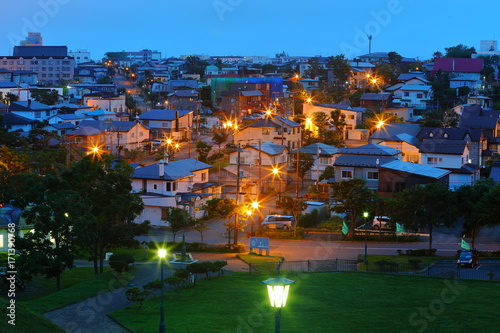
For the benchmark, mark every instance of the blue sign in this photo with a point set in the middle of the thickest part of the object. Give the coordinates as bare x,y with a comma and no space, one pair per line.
259,243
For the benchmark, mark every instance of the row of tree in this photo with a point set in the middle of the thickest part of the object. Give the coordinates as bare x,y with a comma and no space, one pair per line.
426,206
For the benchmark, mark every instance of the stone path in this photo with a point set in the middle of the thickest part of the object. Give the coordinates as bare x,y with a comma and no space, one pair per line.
90,315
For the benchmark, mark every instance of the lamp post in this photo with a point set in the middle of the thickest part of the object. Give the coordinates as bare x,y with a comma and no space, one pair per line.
162,253
276,173
365,215
277,289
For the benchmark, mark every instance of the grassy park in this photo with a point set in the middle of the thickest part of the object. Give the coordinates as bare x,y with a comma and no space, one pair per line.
324,302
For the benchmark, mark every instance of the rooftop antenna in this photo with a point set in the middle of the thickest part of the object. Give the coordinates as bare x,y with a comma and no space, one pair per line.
369,44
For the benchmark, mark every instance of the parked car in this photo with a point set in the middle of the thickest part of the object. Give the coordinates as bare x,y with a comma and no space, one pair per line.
380,222
284,222
467,258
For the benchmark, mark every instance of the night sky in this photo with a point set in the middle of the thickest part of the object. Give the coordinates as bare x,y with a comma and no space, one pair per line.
413,28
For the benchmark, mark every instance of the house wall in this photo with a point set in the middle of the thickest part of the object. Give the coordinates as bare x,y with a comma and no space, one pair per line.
352,118
409,152
116,105
268,134
251,157
391,181
457,180
445,160
357,172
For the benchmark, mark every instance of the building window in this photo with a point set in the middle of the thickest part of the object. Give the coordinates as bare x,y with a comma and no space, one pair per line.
203,177
372,175
168,186
432,160
351,117
324,161
420,95
266,131
406,93
79,139
155,186
38,114
346,174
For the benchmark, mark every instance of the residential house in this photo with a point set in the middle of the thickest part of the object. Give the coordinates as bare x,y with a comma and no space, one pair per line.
176,124
101,115
416,96
474,137
4,108
360,72
10,215
255,163
400,136
112,104
14,122
183,100
475,117
33,110
363,162
452,155
353,115
469,69
119,136
276,129
324,155
61,128
182,184
376,100
84,138
396,176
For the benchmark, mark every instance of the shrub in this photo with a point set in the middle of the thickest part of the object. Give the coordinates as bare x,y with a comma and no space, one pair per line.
119,262
419,253
122,257
136,295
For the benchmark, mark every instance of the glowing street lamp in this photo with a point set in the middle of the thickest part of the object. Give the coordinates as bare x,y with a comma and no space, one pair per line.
365,215
162,253
380,124
277,289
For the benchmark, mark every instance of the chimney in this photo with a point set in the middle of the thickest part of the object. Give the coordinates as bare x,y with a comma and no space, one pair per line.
161,168
167,158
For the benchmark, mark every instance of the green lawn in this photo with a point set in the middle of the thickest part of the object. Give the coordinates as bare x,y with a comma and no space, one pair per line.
325,302
26,321
78,284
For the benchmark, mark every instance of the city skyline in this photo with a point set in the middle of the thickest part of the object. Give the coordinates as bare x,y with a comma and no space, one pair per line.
414,29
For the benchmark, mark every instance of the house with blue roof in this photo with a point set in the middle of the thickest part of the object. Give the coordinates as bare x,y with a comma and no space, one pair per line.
395,176
33,110
400,136
13,122
363,162
182,184
176,124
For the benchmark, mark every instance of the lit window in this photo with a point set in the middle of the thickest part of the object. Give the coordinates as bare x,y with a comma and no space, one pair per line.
346,174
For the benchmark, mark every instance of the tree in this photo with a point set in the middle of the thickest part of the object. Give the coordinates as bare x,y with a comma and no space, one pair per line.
315,68
136,295
328,173
292,206
339,124
49,97
201,226
488,207
220,136
459,51
111,206
52,207
352,197
306,161
203,149
195,65
395,59
469,205
179,219
340,68
424,206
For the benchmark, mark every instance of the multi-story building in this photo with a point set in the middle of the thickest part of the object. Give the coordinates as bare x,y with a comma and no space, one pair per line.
51,63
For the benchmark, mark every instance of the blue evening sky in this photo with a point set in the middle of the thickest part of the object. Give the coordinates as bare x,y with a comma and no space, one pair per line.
413,28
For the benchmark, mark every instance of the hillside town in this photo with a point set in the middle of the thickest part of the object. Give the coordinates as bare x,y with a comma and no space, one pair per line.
138,147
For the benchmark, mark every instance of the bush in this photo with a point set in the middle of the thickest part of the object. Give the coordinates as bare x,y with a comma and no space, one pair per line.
200,247
279,234
310,219
418,253
122,257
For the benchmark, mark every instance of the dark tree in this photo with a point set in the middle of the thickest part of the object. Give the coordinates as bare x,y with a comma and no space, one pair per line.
459,51
49,97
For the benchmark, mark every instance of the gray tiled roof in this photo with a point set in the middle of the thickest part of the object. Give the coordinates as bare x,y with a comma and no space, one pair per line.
172,171
362,161
287,121
29,106
370,149
269,148
167,115
324,149
416,169
115,126
393,130
438,146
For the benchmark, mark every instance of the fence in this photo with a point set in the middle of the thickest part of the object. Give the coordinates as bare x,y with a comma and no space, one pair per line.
443,269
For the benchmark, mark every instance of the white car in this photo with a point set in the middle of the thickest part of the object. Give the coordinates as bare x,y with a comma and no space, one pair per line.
284,222
380,222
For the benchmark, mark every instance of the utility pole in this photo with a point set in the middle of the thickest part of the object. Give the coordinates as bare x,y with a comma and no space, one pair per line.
297,170
237,197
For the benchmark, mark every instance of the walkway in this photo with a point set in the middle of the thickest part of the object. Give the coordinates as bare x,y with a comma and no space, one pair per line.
90,315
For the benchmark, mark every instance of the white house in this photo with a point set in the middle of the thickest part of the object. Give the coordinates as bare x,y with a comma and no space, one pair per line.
324,155
452,155
416,96
182,184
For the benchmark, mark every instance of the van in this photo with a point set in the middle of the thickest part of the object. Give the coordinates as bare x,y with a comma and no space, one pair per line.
284,222
380,222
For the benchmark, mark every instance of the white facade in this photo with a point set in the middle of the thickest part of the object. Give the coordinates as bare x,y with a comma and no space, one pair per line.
81,56
116,105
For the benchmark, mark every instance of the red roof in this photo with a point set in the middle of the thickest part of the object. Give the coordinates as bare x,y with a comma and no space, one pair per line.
463,65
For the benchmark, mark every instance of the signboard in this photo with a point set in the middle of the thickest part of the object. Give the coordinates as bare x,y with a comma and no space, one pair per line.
259,243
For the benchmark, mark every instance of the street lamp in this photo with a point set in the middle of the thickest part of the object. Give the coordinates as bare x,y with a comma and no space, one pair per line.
162,253
277,289
276,173
365,215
